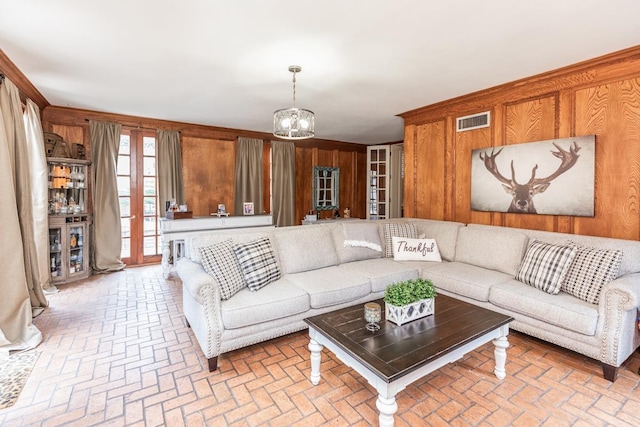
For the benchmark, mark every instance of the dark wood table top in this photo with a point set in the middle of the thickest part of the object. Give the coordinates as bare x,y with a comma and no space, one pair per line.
394,351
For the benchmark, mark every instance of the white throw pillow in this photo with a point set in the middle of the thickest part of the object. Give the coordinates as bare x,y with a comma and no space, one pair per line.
407,249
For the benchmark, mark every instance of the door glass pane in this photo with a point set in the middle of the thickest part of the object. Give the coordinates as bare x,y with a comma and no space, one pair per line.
149,186
125,141
125,206
150,246
126,248
123,165
149,206
149,146
125,224
149,166
124,186
149,226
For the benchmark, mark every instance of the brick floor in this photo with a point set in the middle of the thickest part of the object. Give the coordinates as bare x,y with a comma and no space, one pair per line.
116,351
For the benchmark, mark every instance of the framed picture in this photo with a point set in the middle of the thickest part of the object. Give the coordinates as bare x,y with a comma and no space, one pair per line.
222,208
248,208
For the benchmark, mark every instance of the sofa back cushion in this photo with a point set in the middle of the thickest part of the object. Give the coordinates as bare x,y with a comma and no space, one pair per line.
306,247
194,242
445,234
630,248
356,240
495,248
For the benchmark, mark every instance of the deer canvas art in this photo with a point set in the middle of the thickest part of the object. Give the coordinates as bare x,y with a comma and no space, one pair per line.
549,177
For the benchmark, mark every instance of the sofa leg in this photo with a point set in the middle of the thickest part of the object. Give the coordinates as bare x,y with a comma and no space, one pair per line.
213,364
609,372
187,322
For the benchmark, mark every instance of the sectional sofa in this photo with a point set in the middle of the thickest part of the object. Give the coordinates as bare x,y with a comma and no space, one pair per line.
314,269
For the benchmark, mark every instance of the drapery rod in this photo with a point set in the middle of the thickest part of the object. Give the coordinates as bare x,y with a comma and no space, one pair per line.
139,127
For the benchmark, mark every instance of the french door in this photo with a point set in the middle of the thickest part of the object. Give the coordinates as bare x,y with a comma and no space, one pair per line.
138,197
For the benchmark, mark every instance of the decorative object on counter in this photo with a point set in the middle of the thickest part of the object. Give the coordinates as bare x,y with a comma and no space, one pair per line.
347,213
373,315
247,208
222,210
178,215
409,300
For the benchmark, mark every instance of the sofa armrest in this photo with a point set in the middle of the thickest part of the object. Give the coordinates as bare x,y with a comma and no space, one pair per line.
618,304
194,279
628,286
202,306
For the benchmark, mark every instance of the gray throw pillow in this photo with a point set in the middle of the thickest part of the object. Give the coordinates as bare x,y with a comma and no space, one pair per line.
545,265
590,270
220,261
257,262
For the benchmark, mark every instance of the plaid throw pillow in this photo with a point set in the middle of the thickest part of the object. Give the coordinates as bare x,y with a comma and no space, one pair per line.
545,265
220,262
591,269
397,229
258,265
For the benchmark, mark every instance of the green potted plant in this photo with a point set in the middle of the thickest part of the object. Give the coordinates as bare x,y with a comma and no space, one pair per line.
409,300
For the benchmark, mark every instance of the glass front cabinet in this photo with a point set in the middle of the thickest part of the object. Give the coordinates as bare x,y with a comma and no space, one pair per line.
69,220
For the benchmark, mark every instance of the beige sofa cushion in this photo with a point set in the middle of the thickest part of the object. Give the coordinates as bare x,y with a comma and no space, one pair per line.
562,310
382,272
331,286
305,248
495,248
444,232
356,240
465,279
280,299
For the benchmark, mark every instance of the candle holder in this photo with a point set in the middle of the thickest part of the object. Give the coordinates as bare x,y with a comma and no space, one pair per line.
372,315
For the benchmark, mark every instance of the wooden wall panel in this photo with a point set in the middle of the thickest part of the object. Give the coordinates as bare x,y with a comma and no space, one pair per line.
430,170
612,113
528,121
304,182
410,179
72,134
600,97
208,167
359,204
465,142
348,169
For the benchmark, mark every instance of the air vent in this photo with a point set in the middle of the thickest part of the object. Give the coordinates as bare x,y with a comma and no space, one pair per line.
475,121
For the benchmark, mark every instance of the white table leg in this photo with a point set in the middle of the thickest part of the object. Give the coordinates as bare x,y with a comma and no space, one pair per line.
316,351
500,354
387,407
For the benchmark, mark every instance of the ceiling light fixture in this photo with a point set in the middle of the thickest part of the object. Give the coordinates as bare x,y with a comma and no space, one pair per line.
294,123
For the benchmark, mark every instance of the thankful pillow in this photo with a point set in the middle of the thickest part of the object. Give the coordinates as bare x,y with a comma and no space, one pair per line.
407,249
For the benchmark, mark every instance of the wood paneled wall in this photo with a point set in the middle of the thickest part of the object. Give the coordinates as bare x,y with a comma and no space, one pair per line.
598,97
208,156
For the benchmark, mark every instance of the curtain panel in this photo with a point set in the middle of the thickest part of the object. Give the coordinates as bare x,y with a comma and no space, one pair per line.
170,180
284,183
248,183
106,229
17,285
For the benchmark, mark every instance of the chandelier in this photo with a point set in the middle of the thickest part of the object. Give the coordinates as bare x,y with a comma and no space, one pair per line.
294,123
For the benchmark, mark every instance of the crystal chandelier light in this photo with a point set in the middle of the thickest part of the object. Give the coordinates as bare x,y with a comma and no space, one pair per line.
294,123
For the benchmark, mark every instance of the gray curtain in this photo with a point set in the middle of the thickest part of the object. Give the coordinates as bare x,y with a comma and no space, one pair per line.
34,211
106,242
170,182
284,183
248,175
18,294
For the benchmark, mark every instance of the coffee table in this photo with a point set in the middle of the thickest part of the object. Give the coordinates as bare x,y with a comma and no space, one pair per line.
395,356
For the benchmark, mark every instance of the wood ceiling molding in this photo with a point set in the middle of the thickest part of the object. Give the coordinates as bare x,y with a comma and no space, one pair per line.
26,88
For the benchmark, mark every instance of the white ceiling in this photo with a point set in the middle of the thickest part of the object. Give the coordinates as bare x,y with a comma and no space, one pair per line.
224,63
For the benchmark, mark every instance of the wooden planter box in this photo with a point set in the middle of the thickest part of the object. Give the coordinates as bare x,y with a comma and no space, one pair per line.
407,313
